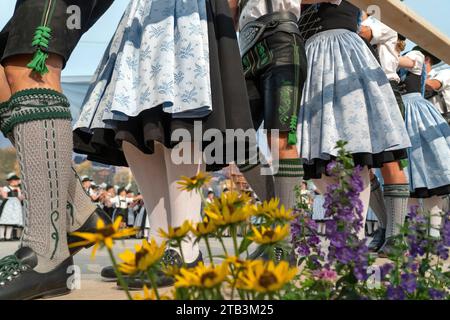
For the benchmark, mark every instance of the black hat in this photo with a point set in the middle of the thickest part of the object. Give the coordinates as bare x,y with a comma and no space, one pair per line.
85,178
401,37
434,59
12,176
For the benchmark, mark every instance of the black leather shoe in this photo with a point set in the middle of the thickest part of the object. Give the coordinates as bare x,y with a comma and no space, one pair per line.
379,237
172,259
390,247
19,281
108,274
89,226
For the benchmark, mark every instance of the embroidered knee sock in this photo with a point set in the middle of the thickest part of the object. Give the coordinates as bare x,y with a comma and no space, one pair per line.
40,123
377,202
79,205
396,197
263,185
289,176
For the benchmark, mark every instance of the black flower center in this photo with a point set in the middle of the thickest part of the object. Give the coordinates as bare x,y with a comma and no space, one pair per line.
140,255
211,275
107,231
267,279
269,234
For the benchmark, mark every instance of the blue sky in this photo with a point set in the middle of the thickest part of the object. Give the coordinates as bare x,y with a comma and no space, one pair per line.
90,50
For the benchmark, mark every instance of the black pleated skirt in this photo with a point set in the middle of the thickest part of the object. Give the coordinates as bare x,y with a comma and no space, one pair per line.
230,109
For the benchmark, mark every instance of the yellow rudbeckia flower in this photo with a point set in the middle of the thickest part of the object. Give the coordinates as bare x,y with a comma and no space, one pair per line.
146,255
230,208
149,295
266,277
202,276
104,236
204,229
272,210
238,263
177,233
269,235
194,183
267,207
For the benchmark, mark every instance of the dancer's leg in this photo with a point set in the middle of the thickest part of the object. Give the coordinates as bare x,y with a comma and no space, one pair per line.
79,205
365,198
8,232
377,201
150,174
290,171
184,206
5,91
19,232
44,147
396,193
434,207
263,185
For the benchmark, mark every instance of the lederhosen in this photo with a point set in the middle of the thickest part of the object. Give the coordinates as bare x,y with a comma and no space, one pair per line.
39,28
21,36
274,61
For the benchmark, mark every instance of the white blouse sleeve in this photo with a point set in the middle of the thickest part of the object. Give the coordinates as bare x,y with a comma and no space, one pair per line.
444,78
419,60
381,33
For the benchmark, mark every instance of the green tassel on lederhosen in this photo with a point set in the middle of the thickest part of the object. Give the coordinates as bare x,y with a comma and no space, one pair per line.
292,137
404,164
41,40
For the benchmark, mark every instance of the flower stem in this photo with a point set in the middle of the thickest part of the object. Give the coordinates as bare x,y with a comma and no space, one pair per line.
181,252
235,244
119,274
208,247
151,277
223,245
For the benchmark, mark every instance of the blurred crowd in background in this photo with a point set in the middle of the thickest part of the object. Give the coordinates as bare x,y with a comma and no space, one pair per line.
129,204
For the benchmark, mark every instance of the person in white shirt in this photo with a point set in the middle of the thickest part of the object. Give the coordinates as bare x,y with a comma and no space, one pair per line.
121,203
439,84
389,208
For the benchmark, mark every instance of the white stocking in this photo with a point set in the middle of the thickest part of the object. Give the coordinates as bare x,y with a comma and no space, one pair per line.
365,198
434,207
185,206
8,233
150,174
2,232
